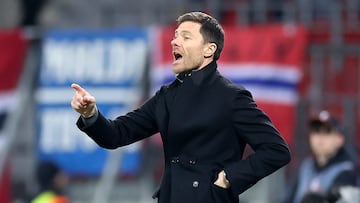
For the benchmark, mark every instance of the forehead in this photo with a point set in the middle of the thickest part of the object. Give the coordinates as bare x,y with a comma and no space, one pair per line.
188,26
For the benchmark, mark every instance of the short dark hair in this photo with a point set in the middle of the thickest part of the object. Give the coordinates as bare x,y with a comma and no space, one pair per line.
46,172
211,29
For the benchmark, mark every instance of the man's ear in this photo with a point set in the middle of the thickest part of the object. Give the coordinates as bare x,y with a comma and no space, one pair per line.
210,50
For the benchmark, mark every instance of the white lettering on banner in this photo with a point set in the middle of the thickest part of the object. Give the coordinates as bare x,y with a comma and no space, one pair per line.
58,133
96,60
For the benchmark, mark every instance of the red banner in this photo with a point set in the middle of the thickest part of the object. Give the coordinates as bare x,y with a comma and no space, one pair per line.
12,53
13,49
267,60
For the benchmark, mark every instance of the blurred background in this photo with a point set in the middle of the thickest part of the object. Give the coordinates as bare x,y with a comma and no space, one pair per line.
296,56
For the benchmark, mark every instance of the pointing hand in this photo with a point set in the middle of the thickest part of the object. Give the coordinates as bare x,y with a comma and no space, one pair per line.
83,102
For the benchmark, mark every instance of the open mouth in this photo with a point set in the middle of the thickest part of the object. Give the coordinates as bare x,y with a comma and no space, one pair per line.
177,56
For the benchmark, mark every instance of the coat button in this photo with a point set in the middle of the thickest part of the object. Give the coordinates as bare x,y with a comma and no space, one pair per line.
196,184
175,160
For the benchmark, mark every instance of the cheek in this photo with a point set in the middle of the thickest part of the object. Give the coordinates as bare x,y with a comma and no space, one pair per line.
336,143
330,145
314,141
318,144
195,50
193,57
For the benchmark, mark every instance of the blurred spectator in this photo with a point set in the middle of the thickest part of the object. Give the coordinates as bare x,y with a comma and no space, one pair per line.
52,182
330,165
31,10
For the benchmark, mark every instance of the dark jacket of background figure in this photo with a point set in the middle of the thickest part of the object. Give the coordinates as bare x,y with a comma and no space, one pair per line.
205,122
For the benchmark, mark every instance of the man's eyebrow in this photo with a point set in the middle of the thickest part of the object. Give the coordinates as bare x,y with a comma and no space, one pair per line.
183,32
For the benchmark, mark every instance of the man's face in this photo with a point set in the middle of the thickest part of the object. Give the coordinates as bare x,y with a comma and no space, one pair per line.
325,144
189,49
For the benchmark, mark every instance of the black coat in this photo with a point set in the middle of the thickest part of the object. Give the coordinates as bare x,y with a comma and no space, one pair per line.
205,122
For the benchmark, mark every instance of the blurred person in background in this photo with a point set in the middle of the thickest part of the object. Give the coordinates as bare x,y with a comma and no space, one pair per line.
31,10
52,182
329,167
205,122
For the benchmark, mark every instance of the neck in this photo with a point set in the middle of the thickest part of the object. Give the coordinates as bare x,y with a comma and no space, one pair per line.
206,62
322,160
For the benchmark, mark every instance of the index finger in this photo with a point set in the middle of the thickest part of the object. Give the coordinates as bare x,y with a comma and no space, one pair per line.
79,89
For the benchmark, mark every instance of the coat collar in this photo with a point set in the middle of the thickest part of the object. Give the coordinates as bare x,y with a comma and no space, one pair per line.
198,77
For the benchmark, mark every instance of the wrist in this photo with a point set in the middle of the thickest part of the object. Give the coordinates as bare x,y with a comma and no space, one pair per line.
90,114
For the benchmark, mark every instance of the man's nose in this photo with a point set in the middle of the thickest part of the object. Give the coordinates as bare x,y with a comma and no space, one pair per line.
174,42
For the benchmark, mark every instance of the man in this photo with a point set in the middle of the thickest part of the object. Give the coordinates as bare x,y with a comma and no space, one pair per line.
52,182
329,167
204,120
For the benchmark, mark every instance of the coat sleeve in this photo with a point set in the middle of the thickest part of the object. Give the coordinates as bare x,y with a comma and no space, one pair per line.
125,129
255,128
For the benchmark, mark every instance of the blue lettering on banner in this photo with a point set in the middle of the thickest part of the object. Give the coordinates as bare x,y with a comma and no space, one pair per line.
110,65
114,59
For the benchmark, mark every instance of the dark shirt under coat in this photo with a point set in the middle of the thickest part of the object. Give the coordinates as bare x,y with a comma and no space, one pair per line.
205,121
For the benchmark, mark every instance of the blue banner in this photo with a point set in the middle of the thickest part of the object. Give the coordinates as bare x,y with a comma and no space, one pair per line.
111,66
